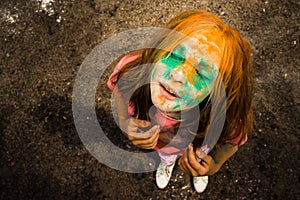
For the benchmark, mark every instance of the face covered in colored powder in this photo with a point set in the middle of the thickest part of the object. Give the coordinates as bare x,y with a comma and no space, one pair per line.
184,77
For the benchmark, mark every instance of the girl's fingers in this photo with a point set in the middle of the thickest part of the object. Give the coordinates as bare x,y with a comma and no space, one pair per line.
149,146
152,131
152,141
182,165
145,140
206,161
188,164
134,124
144,135
205,164
141,123
197,167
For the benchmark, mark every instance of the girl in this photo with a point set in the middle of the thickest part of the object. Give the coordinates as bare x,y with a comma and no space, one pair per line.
184,73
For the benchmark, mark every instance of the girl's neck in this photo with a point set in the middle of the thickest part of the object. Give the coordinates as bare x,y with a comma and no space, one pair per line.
179,115
175,115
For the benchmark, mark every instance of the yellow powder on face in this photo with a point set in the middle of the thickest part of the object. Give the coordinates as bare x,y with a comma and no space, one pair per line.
182,93
162,100
189,72
211,44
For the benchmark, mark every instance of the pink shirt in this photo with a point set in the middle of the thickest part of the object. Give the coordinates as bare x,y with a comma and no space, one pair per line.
167,131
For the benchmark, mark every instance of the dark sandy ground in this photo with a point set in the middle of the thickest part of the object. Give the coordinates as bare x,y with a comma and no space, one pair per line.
41,50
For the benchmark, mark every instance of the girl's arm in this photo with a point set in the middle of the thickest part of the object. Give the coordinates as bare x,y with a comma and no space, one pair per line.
221,154
122,109
210,164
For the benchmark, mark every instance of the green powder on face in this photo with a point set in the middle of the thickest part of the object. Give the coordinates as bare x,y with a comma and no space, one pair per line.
203,63
179,51
175,58
198,82
176,106
166,74
172,60
208,72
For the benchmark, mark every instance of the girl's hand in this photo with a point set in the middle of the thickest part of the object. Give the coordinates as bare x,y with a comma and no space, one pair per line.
189,164
144,140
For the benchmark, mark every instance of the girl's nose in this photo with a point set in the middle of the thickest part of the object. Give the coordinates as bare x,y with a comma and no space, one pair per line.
177,75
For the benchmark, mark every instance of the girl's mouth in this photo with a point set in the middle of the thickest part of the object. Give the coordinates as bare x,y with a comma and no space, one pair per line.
167,92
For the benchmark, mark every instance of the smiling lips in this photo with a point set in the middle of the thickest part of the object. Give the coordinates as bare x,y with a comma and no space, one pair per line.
167,92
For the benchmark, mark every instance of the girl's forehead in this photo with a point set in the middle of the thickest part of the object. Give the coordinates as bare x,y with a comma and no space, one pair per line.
200,47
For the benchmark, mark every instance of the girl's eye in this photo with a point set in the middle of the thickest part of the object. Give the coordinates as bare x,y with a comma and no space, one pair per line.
175,57
172,60
201,75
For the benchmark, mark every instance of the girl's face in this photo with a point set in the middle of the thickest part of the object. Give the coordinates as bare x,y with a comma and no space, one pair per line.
183,78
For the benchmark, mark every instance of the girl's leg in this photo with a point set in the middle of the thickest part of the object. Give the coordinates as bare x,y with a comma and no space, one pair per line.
167,158
165,168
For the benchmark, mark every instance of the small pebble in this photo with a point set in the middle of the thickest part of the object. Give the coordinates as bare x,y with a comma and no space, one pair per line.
153,19
184,187
58,19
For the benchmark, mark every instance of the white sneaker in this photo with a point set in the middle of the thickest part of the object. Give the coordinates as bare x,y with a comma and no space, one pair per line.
200,183
163,174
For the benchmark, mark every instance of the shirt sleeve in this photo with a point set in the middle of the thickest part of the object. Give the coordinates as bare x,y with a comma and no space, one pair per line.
235,141
125,60
110,83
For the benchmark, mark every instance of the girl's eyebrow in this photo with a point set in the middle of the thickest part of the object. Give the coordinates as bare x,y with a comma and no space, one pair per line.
177,56
179,51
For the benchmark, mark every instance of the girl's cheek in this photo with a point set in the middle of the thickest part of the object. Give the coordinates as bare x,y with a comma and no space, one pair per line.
166,72
160,72
200,94
204,84
189,100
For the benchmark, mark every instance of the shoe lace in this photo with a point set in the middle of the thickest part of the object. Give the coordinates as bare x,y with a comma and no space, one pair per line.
201,180
166,170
